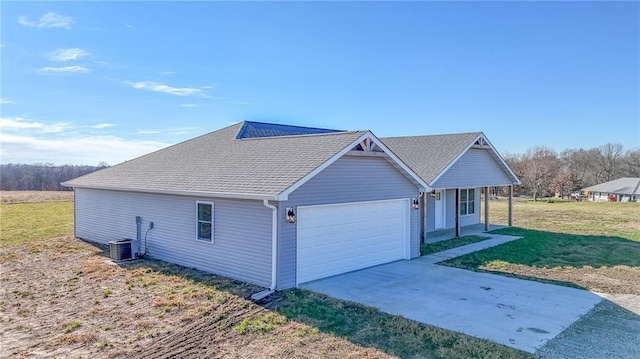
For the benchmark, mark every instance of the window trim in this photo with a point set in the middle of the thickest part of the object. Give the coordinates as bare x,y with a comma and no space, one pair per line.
466,203
198,221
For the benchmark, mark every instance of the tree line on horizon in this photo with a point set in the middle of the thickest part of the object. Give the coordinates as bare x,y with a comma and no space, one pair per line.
545,172
41,176
542,170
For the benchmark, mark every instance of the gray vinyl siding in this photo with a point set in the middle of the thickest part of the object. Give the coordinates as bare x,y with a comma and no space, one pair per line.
242,230
451,210
349,179
431,217
476,168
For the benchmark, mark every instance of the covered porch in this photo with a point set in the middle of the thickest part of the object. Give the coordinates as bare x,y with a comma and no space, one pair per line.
457,168
456,212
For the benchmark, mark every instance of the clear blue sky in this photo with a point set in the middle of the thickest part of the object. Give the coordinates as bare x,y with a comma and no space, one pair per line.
84,82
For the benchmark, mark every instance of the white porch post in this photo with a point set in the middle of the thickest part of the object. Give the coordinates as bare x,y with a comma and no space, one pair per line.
486,209
511,206
457,212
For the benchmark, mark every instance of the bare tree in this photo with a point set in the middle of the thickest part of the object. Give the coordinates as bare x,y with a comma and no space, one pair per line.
541,169
513,160
563,182
609,162
582,163
40,177
537,168
632,163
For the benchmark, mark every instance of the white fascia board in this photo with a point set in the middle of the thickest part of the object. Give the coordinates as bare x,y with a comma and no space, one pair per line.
436,178
475,185
481,135
518,182
425,186
284,195
232,195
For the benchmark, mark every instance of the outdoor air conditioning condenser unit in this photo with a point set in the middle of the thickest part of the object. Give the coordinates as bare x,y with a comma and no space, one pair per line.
121,250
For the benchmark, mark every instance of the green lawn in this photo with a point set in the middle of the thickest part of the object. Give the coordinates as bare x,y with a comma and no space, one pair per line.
23,222
590,245
548,250
429,248
590,218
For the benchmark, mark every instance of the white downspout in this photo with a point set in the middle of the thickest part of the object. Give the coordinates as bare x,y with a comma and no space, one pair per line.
274,253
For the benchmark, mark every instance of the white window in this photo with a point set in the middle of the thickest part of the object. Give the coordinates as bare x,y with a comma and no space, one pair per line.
204,221
467,201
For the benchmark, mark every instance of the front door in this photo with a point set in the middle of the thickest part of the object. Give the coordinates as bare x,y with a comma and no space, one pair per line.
439,209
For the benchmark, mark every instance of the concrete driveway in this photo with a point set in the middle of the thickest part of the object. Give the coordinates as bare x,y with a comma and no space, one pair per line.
518,313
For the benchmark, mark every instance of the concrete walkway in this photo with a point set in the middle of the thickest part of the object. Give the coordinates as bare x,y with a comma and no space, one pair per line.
471,230
494,240
517,313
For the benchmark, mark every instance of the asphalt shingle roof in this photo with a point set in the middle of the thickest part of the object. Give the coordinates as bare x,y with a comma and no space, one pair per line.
428,156
217,162
624,185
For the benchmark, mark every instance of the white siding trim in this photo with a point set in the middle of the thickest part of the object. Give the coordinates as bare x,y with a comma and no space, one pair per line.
504,163
350,203
471,144
425,186
475,207
213,220
75,213
231,195
284,195
436,178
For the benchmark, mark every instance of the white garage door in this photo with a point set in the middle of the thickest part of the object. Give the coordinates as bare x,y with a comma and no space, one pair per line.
334,239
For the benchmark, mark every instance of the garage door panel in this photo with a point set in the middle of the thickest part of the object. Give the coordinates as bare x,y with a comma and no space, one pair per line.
339,238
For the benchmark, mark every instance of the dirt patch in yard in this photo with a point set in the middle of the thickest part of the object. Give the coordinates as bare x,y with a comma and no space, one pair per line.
215,335
607,331
618,279
64,298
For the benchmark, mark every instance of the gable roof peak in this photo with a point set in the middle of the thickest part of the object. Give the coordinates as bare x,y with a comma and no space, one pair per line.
431,155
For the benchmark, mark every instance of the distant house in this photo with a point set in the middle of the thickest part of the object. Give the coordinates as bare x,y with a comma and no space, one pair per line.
625,189
268,204
280,205
458,167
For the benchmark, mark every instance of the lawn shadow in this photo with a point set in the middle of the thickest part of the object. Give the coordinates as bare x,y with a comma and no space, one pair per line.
554,249
602,263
